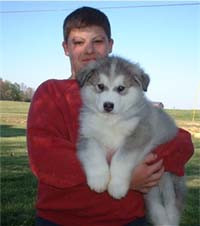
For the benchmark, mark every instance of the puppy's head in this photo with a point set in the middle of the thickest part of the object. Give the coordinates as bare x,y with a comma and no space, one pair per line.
135,73
112,84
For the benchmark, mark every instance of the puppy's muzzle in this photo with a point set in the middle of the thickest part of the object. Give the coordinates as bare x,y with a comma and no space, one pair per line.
108,106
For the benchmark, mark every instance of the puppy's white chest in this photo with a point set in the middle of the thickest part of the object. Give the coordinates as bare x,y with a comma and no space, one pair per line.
110,132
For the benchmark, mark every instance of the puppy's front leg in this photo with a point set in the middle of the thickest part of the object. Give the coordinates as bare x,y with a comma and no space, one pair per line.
94,163
121,172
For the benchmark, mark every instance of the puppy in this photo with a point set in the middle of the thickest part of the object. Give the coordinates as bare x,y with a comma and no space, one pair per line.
118,127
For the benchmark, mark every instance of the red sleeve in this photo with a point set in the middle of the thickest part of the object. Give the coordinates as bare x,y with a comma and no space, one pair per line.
177,152
51,135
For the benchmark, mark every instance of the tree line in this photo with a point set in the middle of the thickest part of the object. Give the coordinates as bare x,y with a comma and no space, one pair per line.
15,92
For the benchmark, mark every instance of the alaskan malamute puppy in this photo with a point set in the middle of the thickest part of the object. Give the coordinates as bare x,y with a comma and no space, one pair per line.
118,127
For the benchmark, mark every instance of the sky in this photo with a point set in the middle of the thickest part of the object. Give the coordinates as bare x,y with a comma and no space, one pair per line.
164,40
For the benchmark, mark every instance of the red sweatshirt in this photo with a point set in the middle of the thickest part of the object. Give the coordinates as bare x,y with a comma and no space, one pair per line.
63,195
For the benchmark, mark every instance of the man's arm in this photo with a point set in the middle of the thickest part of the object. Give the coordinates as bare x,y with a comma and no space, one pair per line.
50,139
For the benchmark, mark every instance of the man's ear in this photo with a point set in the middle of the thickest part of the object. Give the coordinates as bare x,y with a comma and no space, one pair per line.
111,42
65,47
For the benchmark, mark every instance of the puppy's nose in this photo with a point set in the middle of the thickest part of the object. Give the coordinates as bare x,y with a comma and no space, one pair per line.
108,106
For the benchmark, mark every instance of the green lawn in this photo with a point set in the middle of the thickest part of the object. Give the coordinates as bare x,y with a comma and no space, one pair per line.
18,186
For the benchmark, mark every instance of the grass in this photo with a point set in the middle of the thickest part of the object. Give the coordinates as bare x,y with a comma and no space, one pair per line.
18,185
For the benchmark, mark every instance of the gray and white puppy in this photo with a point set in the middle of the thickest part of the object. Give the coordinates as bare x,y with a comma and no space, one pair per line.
118,127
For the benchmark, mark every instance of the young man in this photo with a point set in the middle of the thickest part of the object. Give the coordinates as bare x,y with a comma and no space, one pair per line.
63,195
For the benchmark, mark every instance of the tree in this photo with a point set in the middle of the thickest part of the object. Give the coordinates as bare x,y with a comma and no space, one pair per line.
15,92
28,94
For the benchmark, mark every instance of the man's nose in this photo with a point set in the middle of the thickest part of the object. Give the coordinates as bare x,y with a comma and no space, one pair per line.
89,48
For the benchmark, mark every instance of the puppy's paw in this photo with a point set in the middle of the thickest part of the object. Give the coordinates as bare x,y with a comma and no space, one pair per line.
117,189
98,181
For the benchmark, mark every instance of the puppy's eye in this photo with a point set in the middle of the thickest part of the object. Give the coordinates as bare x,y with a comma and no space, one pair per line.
100,87
120,89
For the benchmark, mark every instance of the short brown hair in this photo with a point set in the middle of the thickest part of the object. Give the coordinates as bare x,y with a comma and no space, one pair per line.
85,17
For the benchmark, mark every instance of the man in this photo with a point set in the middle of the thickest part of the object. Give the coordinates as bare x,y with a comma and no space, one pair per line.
64,197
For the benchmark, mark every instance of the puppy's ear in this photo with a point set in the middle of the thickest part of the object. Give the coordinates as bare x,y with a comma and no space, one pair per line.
138,75
145,81
86,73
83,76
142,79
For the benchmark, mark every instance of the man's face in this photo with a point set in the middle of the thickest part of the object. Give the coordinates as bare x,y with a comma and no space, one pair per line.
85,45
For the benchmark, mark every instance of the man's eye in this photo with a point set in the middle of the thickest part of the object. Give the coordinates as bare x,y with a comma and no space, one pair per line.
78,43
100,87
98,41
120,89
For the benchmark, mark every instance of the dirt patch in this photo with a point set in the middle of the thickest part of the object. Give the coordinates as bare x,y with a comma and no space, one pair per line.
192,126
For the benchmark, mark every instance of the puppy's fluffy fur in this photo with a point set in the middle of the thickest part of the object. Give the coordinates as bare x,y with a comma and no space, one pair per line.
117,120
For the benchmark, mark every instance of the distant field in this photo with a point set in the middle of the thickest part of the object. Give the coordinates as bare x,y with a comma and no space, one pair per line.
18,186
188,119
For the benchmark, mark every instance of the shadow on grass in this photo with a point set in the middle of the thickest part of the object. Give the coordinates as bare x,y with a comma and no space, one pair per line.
18,192
9,131
18,218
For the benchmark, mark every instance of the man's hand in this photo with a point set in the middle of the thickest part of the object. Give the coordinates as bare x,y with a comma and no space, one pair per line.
147,174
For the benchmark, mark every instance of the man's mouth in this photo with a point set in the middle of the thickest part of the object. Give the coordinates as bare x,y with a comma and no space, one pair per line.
87,60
